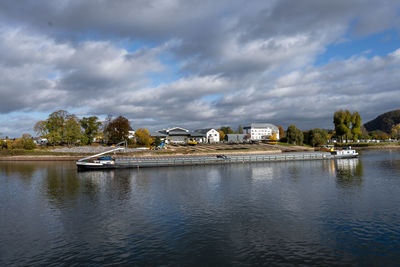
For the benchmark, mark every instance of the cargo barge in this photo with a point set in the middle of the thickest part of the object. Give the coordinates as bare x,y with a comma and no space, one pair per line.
109,162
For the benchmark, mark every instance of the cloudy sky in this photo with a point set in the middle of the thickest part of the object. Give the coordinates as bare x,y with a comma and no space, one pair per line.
197,64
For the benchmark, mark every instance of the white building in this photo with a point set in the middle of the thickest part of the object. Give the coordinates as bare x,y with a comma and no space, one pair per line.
210,135
174,135
261,131
131,134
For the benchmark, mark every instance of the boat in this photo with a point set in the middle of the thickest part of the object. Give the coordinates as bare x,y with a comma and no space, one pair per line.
346,152
99,161
327,148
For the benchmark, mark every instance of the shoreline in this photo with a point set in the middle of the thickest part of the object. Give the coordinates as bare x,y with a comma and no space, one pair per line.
77,157
69,157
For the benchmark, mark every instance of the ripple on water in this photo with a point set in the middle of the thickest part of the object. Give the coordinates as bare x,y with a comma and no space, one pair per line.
293,213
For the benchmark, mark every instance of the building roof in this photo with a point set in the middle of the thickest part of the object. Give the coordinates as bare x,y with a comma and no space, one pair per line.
261,125
175,131
197,134
158,134
204,131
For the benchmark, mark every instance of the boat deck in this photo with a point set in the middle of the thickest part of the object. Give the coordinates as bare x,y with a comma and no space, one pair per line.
122,162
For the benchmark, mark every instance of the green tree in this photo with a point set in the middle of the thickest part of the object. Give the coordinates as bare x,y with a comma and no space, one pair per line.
157,141
55,126
356,126
143,137
91,127
3,144
317,137
27,142
342,120
72,130
294,135
227,130
117,130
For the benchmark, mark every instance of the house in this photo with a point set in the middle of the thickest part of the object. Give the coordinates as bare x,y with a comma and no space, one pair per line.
174,135
235,138
261,131
41,141
131,134
210,135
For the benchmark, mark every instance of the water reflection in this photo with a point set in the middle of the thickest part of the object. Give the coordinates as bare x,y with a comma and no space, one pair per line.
22,170
349,172
289,213
61,183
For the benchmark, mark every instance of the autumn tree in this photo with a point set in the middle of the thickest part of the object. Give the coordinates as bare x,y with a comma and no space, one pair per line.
117,130
91,127
27,142
378,134
221,135
396,131
240,129
294,135
106,122
273,137
281,132
227,130
143,137
40,128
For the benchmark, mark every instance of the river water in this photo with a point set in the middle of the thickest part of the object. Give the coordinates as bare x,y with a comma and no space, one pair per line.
332,212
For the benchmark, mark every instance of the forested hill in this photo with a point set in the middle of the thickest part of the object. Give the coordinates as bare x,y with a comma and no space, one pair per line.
384,122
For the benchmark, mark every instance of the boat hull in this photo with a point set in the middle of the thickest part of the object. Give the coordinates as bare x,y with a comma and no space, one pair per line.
206,160
94,166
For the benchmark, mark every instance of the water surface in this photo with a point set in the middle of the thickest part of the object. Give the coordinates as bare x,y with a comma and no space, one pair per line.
333,212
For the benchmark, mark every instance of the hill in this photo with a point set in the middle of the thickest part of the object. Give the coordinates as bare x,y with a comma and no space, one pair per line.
384,122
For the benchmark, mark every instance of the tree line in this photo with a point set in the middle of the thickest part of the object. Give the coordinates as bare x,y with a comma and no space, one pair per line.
63,128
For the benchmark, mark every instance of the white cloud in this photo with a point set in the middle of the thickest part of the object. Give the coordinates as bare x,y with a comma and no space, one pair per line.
217,62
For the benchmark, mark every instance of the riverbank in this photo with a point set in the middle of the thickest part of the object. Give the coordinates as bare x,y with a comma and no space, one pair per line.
362,146
75,153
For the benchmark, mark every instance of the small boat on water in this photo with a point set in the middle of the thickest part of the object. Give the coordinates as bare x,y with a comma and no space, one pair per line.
97,162
327,148
346,152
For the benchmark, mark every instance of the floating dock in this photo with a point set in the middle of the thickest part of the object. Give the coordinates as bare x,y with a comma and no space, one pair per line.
143,162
